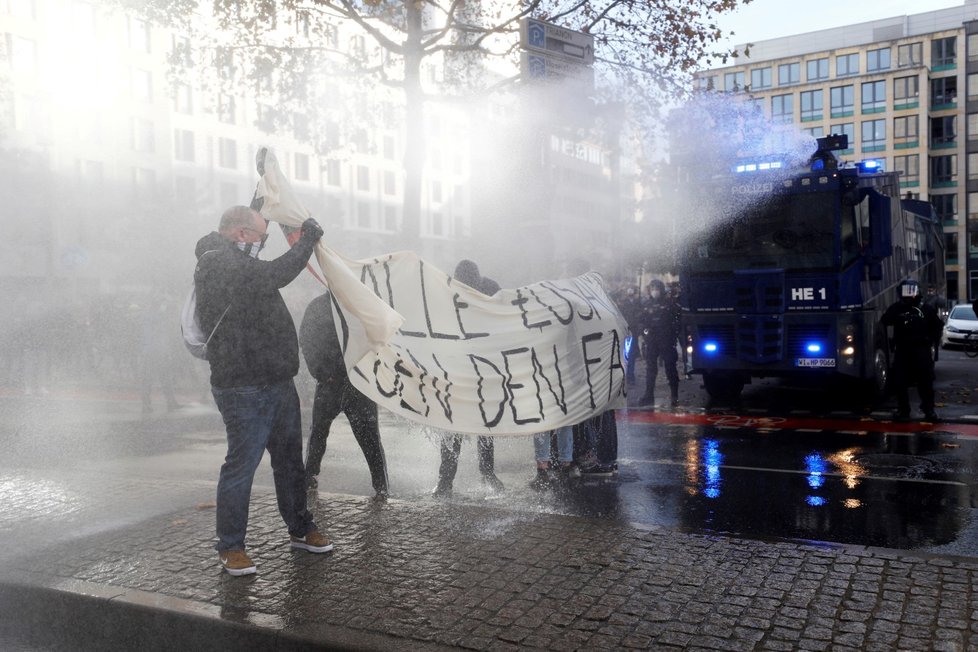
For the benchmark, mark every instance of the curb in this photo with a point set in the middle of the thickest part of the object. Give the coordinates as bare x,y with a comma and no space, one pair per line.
78,615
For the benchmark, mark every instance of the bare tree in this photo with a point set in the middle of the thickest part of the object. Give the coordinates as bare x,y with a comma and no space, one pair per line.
290,54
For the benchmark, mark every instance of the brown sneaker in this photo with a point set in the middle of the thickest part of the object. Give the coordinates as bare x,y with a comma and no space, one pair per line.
312,542
237,562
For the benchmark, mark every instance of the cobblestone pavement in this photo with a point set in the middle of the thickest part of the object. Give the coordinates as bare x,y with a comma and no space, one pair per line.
427,574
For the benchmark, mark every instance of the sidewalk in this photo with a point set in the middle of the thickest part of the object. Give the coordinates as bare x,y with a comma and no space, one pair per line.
426,575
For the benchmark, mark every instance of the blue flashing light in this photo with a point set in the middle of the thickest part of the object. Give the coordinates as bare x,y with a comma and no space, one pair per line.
814,347
815,501
710,347
818,164
629,345
870,165
758,166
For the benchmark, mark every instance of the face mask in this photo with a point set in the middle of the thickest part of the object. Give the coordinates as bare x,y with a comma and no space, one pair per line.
656,294
251,248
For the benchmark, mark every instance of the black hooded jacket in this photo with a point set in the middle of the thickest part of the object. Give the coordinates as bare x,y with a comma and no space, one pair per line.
255,343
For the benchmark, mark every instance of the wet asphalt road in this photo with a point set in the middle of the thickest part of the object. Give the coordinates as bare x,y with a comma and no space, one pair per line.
780,464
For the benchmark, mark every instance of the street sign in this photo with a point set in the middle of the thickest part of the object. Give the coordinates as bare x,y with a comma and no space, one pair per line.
554,41
543,68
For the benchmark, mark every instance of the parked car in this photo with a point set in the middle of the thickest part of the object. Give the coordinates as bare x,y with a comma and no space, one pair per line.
960,322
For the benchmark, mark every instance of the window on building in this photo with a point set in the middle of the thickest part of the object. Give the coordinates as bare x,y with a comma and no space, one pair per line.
437,224
943,130
142,85
951,246
943,169
363,177
846,129
843,100
365,217
301,167
972,47
972,174
733,81
946,206
436,192
846,64
390,182
139,35
185,189
358,46
909,168
909,55
183,99
817,69
973,126
226,112
331,36
873,135
874,96
906,89
943,90
390,218
972,86
811,105
706,82
905,130
760,78
227,153
22,53
333,176
942,51
815,132
183,145
19,8
144,183
143,135
181,51
877,60
789,73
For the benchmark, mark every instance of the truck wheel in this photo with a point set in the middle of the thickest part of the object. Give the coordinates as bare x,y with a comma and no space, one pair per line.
881,372
722,386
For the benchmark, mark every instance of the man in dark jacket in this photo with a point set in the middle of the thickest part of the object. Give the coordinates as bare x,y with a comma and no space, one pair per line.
334,394
254,356
660,327
916,335
451,445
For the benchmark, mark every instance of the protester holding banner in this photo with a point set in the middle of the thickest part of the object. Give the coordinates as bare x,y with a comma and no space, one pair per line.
451,445
549,476
335,394
254,357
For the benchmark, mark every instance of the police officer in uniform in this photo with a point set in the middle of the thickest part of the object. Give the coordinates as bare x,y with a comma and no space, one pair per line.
916,333
660,327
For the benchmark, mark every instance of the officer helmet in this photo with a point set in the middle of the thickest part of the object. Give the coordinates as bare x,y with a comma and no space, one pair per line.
909,289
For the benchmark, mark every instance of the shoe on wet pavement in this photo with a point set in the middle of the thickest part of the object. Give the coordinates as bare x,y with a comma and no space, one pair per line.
493,483
237,562
312,542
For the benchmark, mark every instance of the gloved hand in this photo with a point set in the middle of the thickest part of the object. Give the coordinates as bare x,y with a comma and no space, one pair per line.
312,230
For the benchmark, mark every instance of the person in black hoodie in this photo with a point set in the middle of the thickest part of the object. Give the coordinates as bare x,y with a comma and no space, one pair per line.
254,356
451,444
334,394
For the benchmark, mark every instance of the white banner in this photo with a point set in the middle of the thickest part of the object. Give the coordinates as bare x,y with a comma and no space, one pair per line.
434,350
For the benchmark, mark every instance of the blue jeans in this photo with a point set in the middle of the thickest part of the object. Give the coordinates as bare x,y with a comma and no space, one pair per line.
257,418
565,445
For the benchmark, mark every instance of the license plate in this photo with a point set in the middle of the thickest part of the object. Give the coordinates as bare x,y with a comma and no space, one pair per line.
815,362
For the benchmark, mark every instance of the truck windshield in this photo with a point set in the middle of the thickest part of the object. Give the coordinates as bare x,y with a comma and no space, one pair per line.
788,231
